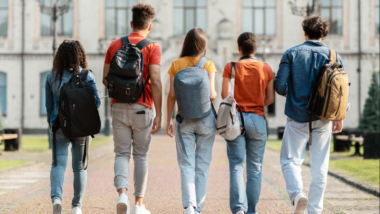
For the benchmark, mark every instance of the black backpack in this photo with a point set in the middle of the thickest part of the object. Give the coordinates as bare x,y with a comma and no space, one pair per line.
78,115
125,77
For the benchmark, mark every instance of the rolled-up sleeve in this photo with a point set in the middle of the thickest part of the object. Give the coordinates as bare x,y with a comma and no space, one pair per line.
49,100
91,80
283,73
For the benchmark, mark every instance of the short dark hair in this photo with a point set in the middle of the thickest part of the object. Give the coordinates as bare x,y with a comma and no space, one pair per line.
195,43
316,27
142,16
247,41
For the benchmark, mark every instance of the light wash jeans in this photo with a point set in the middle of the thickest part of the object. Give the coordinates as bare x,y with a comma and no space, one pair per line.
198,136
57,173
253,144
131,124
293,148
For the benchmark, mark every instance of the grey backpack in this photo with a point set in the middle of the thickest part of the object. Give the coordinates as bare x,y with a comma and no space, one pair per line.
192,90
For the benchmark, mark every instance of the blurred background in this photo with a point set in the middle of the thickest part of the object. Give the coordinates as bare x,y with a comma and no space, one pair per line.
27,30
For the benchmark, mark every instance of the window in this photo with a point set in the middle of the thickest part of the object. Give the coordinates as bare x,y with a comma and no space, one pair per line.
377,17
43,93
189,14
331,10
3,17
259,17
3,93
65,22
118,16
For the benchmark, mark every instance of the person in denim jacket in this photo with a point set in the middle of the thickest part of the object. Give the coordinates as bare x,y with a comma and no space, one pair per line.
69,60
296,75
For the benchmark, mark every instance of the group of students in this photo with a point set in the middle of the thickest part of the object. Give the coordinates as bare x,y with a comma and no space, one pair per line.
255,85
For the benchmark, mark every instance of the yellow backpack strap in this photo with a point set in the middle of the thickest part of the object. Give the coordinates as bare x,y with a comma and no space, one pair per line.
333,57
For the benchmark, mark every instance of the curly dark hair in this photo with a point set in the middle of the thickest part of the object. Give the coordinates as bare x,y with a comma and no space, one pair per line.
70,56
142,16
316,27
248,43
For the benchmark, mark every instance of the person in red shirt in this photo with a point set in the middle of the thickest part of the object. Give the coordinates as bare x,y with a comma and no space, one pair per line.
135,120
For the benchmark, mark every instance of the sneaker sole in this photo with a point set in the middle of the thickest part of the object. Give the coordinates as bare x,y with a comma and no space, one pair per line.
57,209
301,206
121,208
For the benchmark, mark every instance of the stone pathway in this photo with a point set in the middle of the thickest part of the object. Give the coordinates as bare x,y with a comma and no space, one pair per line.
28,190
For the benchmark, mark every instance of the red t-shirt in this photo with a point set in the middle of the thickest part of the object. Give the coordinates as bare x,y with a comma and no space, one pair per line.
251,80
152,56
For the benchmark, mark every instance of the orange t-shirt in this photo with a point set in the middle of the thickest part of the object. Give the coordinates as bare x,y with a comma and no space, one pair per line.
152,56
181,63
251,80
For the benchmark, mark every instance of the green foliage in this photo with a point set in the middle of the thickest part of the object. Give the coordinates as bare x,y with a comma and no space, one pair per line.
370,118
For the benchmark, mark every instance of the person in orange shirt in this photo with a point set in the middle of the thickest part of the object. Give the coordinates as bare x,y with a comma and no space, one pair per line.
253,91
135,120
196,135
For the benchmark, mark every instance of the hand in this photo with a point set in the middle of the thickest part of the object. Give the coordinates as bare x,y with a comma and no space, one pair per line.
105,82
156,125
170,129
337,126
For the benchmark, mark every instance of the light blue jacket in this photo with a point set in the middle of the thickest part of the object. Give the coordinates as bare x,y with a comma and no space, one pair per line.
296,75
52,93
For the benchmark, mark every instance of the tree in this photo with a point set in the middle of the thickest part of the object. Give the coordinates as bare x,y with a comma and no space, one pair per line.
370,121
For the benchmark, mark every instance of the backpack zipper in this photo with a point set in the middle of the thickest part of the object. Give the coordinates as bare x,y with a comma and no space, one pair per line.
328,80
340,99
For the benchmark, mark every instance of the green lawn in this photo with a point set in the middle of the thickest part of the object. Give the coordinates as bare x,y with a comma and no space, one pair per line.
366,171
35,144
9,164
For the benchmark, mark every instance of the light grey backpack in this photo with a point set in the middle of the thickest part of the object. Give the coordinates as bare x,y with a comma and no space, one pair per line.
228,124
192,91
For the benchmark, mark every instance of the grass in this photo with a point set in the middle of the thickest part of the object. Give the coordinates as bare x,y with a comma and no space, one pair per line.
35,144
100,140
366,171
9,164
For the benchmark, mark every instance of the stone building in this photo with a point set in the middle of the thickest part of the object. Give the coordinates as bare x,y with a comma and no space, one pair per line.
26,44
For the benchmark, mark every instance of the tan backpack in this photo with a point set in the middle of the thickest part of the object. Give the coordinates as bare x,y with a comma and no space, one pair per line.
329,97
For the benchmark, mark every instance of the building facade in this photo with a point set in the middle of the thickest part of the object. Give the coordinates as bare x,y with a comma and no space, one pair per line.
26,44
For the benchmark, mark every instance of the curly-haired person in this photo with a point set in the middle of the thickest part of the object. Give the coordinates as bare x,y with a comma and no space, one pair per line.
69,60
295,77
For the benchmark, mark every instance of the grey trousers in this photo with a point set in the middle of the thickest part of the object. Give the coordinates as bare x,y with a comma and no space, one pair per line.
131,128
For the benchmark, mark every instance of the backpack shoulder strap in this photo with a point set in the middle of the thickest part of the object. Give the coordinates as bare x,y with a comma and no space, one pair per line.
84,73
144,43
333,57
201,63
233,70
125,40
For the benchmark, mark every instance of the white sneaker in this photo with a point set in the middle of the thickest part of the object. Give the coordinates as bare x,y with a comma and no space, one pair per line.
140,210
240,212
57,206
123,204
76,210
300,204
189,210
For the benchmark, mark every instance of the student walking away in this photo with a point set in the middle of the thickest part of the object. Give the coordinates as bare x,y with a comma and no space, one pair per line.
310,73
66,128
250,82
192,85
134,83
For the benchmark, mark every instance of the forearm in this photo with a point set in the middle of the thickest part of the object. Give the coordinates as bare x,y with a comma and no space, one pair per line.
170,108
213,95
156,87
268,101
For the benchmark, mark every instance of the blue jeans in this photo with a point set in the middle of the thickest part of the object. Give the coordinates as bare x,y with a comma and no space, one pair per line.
57,173
198,136
252,144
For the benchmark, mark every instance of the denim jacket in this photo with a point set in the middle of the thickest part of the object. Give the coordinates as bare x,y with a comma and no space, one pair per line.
296,75
52,93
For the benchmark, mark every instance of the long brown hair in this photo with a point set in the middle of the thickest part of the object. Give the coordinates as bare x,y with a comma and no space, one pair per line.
195,43
70,56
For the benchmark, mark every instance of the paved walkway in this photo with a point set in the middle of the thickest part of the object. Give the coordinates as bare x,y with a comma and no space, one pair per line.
28,190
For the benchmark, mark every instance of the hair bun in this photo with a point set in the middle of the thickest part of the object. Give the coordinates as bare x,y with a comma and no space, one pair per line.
248,46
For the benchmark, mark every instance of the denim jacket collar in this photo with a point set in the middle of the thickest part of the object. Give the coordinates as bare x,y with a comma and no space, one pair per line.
315,42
